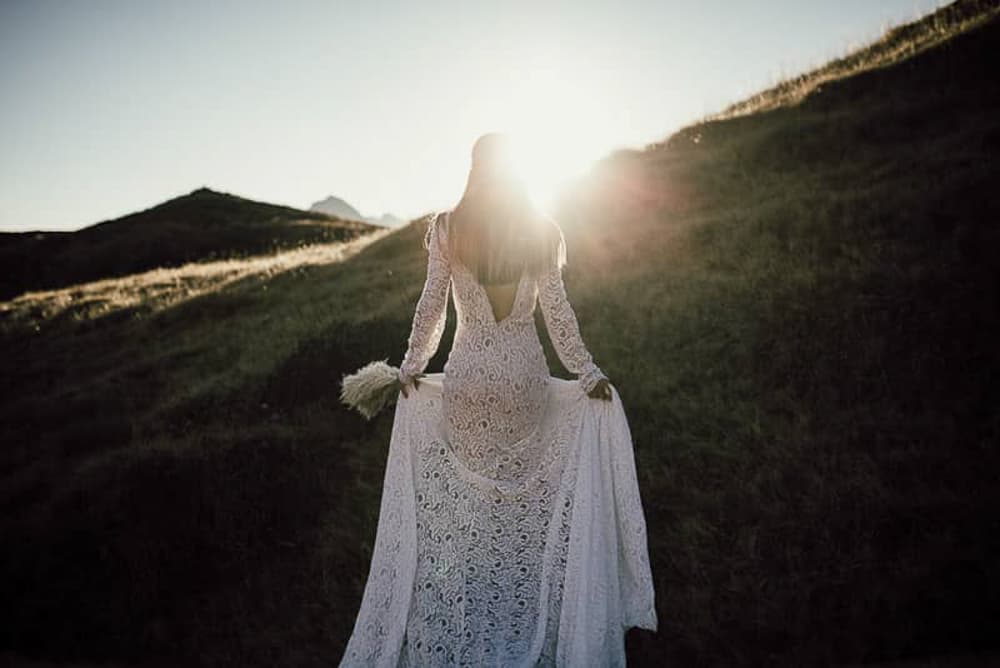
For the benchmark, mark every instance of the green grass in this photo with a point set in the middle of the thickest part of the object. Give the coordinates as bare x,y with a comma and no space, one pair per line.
798,307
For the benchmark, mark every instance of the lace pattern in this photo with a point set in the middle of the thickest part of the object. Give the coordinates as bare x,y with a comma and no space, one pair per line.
511,531
432,308
548,569
474,309
564,331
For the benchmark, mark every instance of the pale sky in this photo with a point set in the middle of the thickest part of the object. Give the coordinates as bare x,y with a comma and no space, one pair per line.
113,106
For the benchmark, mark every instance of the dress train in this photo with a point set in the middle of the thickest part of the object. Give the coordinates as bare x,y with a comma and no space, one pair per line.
546,567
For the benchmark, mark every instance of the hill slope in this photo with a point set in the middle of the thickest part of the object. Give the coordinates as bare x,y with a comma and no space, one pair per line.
798,308
201,225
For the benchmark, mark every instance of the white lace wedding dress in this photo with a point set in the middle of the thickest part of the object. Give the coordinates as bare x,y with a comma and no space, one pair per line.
511,532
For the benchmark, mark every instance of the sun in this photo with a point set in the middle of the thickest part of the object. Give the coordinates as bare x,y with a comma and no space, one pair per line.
556,129
545,165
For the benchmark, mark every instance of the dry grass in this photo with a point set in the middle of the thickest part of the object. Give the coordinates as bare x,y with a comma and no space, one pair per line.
897,44
157,289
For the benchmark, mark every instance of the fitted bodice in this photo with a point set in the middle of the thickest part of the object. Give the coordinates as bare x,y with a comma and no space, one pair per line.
496,373
495,378
472,304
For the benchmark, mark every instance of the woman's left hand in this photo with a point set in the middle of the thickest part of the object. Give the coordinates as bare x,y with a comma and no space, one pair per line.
601,391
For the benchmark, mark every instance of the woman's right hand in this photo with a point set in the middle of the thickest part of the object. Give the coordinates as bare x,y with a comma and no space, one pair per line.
405,387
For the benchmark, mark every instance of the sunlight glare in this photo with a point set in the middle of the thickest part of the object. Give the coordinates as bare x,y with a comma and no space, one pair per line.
555,129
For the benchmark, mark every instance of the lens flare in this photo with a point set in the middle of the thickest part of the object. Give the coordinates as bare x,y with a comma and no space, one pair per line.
556,129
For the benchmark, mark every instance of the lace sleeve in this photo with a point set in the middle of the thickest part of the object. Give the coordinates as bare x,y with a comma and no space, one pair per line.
563,328
429,318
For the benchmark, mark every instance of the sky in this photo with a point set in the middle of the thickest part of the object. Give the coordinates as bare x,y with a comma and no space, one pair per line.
113,106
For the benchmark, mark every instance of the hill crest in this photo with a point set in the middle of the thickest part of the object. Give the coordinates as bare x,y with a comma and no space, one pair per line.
203,224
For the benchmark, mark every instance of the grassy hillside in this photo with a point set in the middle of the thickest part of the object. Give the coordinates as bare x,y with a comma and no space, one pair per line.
202,225
798,307
898,43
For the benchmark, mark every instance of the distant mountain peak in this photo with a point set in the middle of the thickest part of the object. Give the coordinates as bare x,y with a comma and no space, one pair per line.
335,206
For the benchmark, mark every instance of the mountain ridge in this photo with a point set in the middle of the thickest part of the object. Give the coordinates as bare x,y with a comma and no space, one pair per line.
336,206
203,224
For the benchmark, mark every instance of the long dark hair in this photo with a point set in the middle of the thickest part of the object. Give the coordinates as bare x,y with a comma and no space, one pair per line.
496,231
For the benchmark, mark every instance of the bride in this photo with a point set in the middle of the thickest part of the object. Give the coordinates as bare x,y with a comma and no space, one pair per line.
511,531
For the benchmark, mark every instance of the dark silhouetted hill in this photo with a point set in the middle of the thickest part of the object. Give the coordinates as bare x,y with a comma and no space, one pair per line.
202,225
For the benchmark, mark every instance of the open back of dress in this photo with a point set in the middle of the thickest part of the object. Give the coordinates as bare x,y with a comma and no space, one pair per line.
495,381
511,531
